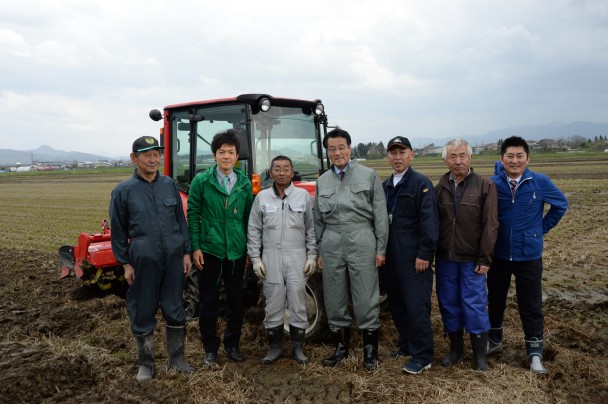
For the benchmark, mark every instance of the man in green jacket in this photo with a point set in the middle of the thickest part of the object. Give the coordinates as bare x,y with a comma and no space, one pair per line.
219,203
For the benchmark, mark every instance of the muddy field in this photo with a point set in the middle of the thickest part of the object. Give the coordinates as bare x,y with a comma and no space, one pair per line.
59,342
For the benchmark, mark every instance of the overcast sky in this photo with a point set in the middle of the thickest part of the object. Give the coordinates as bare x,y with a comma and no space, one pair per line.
82,75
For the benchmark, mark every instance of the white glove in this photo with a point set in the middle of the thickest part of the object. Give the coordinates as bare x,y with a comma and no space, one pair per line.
311,265
259,268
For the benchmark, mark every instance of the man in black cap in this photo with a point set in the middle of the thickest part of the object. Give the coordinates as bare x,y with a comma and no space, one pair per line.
413,231
150,240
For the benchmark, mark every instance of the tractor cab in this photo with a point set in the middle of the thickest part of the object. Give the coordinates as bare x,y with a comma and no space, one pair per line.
266,126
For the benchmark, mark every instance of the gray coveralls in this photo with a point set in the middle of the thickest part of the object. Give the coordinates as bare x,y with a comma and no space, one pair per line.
351,225
282,232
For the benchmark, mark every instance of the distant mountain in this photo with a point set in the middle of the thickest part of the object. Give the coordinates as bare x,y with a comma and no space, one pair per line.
45,154
555,131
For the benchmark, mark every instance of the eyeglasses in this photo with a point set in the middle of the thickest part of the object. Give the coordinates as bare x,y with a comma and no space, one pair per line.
333,150
281,170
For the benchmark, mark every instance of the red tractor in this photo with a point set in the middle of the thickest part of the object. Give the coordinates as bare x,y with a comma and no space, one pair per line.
267,126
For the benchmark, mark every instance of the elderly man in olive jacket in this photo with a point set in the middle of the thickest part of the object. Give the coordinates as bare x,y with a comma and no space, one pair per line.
468,226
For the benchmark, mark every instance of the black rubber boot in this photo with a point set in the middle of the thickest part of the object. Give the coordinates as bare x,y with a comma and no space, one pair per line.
275,343
145,356
297,344
370,349
456,349
176,338
342,340
494,341
535,348
479,343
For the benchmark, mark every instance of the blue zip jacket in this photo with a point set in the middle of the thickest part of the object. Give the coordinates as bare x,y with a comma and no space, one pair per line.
522,225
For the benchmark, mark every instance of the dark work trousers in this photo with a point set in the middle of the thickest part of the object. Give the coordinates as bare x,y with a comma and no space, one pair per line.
409,299
231,273
156,285
528,276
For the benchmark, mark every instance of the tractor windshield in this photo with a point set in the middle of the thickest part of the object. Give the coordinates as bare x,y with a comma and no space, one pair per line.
210,120
287,131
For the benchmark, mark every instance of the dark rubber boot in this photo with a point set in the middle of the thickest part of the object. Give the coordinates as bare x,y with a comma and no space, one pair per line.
535,348
297,344
176,339
275,343
342,340
479,343
370,349
145,356
494,341
456,349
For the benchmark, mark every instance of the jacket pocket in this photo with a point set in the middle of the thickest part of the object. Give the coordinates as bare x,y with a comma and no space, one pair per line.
533,243
169,205
295,217
271,216
326,200
360,195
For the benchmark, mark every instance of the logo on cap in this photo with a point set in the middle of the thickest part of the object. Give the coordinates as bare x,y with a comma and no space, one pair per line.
150,140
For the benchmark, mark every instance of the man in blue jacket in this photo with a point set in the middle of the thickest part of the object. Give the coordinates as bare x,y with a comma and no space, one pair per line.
413,233
150,239
522,195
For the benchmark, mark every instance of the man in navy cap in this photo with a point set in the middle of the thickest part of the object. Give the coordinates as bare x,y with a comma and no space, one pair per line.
150,239
413,232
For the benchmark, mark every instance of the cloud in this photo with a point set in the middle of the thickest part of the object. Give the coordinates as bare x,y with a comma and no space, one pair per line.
83,75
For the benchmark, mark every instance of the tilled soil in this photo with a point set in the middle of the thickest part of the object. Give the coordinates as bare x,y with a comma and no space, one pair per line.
62,342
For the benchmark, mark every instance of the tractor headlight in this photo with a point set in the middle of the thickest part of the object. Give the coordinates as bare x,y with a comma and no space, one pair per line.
319,109
264,104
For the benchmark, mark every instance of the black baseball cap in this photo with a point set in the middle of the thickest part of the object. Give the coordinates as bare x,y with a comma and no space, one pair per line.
399,141
146,143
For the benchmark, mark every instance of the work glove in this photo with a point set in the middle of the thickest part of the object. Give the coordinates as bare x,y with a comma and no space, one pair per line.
311,265
258,268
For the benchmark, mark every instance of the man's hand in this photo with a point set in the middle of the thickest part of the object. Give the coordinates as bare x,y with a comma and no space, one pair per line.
311,265
421,265
187,265
319,264
199,261
481,269
258,268
129,273
380,260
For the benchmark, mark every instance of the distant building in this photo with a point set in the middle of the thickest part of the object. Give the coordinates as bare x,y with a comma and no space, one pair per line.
428,150
547,144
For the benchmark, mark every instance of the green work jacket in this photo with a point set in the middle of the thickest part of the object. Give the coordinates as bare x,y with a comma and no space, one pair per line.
217,220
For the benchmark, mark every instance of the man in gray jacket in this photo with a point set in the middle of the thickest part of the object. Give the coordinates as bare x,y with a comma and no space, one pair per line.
351,226
281,224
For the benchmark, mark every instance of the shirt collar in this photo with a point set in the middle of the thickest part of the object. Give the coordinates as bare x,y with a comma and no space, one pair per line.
287,190
451,179
337,170
220,176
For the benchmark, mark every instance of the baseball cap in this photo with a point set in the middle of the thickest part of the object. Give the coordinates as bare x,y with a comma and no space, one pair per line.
146,143
399,141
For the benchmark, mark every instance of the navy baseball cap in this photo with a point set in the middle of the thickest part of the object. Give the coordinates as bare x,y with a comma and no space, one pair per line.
399,141
146,143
